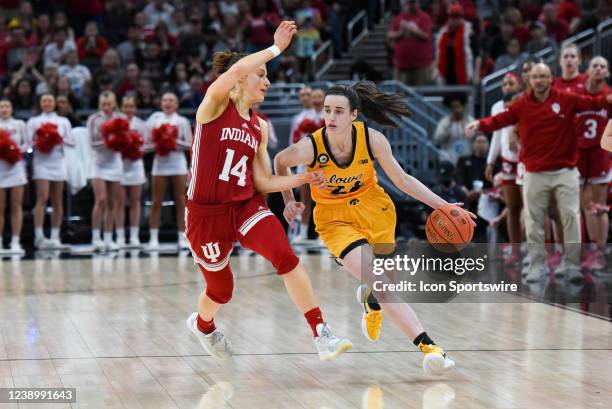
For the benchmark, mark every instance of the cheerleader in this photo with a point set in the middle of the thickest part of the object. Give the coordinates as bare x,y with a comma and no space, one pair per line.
106,173
169,163
133,176
12,170
47,134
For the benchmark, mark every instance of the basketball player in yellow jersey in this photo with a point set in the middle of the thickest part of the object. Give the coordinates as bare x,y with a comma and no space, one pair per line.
354,213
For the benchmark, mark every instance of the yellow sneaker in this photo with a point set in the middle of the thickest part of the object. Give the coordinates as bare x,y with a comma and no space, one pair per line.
371,321
435,361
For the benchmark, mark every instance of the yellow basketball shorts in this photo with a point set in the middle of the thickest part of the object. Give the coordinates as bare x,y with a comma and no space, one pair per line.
346,225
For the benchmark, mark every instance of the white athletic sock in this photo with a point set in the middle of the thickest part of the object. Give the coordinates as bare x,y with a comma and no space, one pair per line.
304,231
38,233
95,234
154,235
120,234
181,235
133,232
108,236
55,233
14,240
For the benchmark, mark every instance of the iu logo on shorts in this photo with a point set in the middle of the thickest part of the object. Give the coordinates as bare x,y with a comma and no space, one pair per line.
211,251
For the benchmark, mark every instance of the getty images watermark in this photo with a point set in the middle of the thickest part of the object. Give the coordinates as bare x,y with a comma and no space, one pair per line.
418,272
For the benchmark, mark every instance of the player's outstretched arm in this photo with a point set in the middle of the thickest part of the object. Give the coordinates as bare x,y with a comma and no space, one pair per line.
300,153
263,179
606,138
381,149
217,96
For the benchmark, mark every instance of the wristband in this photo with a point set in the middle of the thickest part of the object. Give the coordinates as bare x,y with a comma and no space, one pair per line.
275,50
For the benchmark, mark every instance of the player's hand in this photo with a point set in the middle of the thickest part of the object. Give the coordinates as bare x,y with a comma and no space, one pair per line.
292,210
489,173
472,215
316,179
283,34
471,128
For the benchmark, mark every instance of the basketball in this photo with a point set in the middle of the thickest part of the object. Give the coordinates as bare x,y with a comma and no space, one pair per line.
449,224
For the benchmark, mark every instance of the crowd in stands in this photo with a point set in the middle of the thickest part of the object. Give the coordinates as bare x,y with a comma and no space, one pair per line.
459,42
143,48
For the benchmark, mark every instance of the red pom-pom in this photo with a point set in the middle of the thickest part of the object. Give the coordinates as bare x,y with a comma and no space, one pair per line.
46,137
9,150
114,132
165,138
133,149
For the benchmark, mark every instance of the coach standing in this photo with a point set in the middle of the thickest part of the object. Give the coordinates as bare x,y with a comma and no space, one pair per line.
549,151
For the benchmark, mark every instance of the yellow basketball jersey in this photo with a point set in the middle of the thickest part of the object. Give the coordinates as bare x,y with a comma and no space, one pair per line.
343,182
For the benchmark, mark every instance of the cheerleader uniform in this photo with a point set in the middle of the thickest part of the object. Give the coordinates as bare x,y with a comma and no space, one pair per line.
500,144
174,163
133,170
50,166
14,175
106,163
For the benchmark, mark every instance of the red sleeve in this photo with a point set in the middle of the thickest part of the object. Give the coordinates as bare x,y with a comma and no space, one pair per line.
81,48
102,46
501,120
587,103
425,24
396,24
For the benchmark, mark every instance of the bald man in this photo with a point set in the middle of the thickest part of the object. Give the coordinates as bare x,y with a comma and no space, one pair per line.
545,119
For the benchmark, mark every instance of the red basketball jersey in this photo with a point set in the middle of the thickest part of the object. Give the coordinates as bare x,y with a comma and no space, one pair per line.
574,85
590,125
222,158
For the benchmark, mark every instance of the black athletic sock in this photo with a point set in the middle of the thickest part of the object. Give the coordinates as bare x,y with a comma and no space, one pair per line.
424,339
373,302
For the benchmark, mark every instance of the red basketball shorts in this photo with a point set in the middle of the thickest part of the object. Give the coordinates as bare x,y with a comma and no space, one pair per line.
212,229
594,166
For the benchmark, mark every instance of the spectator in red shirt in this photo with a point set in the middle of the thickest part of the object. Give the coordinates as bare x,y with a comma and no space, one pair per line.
568,11
545,118
521,30
413,50
557,29
130,81
259,25
91,46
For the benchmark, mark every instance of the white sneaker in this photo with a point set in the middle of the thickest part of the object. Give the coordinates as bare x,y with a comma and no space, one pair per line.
134,241
435,361
182,244
215,343
535,274
55,243
16,248
153,245
111,246
328,345
42,243
120,242
98,245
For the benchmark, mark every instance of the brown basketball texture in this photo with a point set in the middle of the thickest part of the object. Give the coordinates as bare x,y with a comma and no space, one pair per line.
449,225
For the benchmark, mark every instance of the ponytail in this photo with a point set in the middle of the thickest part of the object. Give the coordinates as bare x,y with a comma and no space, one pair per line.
372,102
223,60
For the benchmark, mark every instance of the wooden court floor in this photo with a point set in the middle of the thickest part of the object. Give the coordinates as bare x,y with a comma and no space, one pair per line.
115,330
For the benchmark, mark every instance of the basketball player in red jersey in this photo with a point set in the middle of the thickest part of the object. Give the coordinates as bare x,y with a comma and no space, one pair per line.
594,162
229,166
571,80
